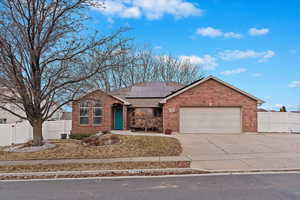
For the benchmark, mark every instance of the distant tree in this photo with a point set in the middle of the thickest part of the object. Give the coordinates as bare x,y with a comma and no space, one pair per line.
46,55
283,109
142,65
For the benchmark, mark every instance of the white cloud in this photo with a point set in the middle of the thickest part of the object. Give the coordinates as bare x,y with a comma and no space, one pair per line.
294,84
151,9
233,35
268,97
257,32
293,51
133,12
206,62
293,106
158,47
287,106
257,74
118,8
266,55
213,32
234,71
110,20
209,32
230,55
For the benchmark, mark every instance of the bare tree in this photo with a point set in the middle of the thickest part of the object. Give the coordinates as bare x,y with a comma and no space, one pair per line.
142,65
45,58
171,68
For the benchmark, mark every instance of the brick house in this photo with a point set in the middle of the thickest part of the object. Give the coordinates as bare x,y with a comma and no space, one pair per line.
208,105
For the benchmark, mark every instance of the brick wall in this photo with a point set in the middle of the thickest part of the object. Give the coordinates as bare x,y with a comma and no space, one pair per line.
107,123
211,93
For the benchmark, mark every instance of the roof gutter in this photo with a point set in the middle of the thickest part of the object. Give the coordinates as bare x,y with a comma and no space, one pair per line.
126,103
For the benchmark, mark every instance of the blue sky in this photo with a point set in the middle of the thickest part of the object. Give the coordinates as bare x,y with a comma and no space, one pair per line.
252,44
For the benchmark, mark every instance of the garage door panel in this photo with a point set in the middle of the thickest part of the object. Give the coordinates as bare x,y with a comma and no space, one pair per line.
210,120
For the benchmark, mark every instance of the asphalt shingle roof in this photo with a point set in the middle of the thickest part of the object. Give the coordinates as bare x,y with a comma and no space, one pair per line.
147,94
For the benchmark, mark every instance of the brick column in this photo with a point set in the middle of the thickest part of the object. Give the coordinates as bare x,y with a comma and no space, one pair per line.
125,117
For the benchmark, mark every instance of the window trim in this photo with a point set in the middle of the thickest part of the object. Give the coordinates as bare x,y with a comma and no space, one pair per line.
101,116
88,110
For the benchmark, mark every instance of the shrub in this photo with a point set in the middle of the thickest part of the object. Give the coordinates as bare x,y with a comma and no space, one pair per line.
168,131
107,139
105,132
80,136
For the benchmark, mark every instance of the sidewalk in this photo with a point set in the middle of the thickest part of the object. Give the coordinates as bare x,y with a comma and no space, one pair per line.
128,132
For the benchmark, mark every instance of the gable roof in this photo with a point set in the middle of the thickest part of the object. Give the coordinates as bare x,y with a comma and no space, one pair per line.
259,101
147,94
153,90
116,97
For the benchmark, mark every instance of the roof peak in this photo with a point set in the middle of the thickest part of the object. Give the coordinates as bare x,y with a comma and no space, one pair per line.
195,83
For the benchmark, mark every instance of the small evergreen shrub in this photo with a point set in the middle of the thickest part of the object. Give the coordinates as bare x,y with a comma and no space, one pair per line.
80,136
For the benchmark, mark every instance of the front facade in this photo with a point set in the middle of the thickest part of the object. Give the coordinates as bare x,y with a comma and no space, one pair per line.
98,111
218,107
208,105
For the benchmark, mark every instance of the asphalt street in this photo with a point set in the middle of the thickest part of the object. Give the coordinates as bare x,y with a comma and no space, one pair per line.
223,187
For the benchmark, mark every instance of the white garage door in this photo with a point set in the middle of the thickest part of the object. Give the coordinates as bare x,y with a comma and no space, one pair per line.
210,120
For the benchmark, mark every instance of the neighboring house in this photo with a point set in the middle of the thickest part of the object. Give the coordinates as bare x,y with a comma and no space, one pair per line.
9,118
208,105
262,110
66,116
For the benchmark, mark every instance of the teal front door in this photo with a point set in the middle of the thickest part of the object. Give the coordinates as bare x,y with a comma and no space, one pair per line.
118,119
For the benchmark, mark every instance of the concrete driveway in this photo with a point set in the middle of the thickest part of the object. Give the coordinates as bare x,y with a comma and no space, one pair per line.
242,151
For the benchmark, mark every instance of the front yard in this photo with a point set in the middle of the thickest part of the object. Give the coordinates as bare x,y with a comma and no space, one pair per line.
130,146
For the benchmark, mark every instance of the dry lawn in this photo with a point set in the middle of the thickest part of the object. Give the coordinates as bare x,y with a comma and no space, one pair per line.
130,146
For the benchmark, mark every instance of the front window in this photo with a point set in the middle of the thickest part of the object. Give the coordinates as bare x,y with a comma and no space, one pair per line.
98,113
157,112
84,113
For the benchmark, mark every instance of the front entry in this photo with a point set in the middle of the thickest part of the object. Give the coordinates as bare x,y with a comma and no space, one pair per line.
118,118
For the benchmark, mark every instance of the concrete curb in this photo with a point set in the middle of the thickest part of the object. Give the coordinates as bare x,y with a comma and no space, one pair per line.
137,173
131,171
234,171
98,173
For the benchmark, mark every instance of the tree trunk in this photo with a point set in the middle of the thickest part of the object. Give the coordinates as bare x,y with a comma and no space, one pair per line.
37,132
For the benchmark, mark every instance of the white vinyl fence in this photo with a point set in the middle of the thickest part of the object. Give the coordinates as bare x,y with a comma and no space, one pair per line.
22,132
282,122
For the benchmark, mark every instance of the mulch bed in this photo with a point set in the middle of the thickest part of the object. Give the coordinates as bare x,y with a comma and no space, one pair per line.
110,174
93,166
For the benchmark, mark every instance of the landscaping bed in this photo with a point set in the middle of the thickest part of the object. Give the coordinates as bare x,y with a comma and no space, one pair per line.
108,173
93,166
129,146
